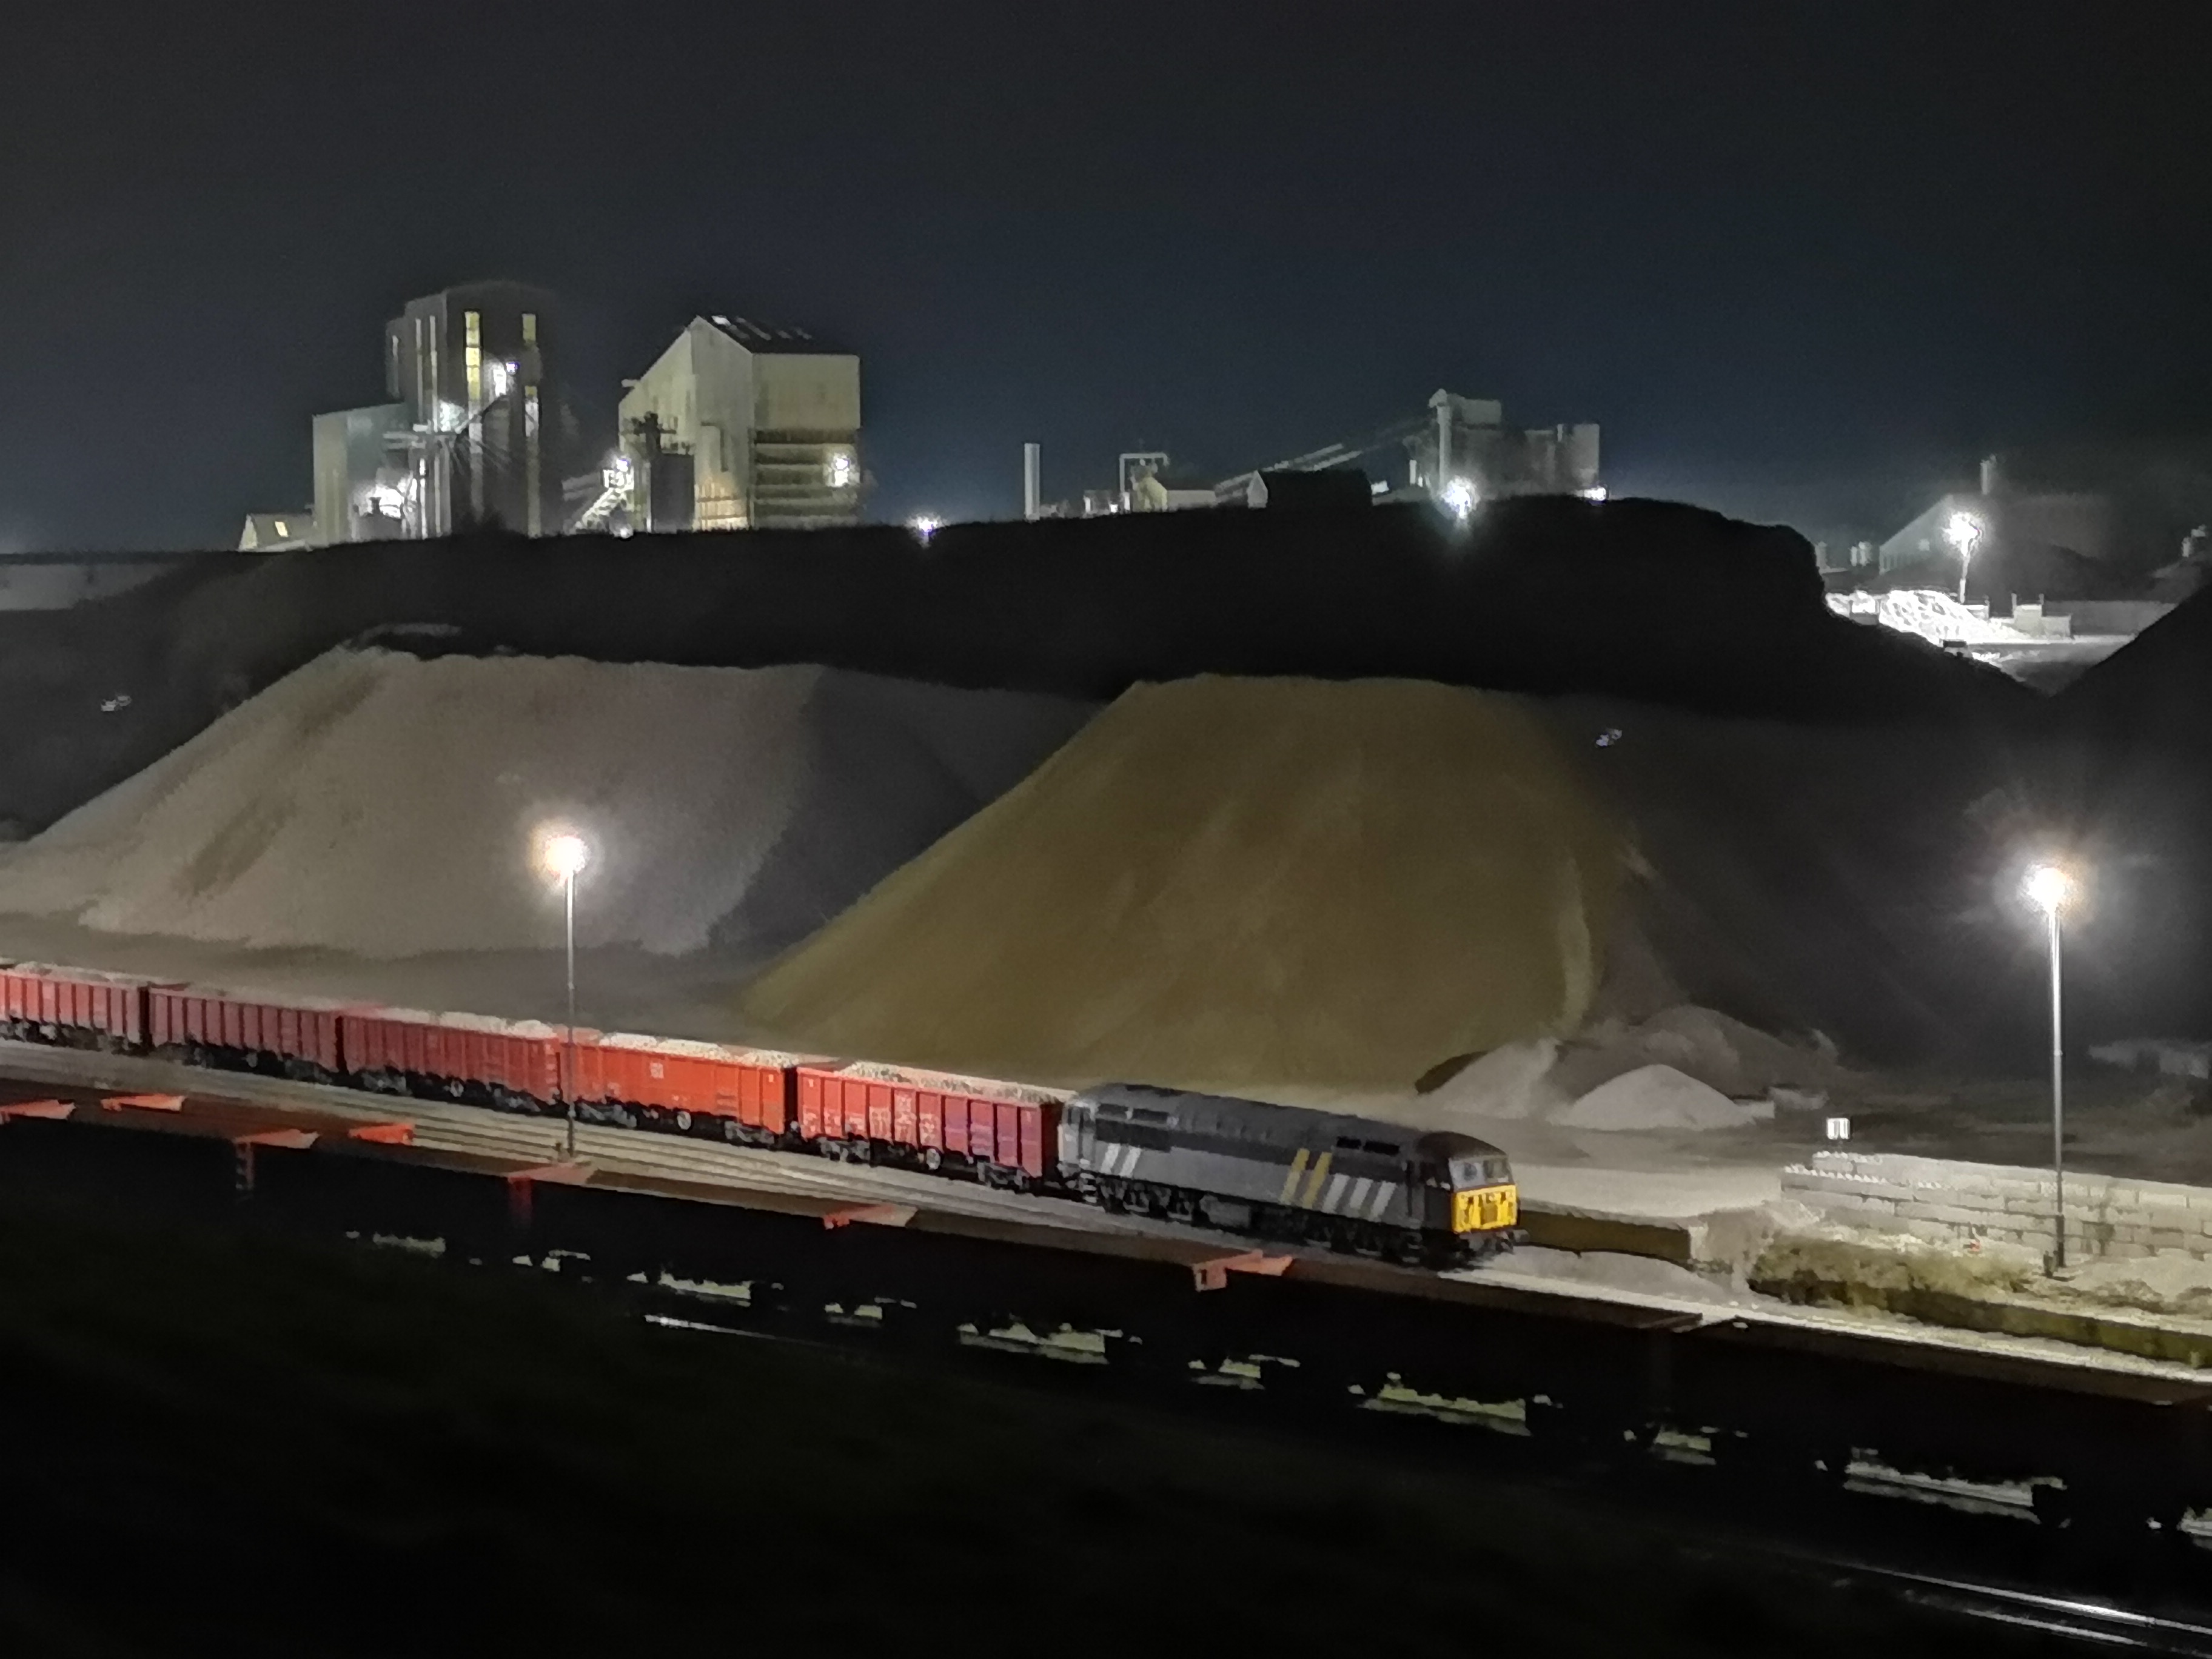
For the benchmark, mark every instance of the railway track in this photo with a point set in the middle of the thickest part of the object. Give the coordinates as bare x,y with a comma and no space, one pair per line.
617,1154
2101,1624
2106,1624
494,1143
476,1131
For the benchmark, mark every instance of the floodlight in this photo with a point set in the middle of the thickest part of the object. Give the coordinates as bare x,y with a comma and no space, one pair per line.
563,853
2049,888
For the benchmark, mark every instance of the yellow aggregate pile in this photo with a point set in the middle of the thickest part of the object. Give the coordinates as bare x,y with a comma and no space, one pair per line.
1227,884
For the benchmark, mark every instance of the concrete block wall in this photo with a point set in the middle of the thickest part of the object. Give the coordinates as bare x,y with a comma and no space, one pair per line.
1951,1202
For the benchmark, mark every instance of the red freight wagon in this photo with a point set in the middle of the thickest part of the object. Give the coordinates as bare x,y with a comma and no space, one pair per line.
749,1088
34,995
515,1058
303,1029
997,1126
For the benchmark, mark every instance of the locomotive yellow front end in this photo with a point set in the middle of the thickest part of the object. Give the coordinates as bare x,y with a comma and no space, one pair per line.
1484,1198
1486,1209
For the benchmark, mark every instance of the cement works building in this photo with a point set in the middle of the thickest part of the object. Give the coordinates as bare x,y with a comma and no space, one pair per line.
739,426
736,426
476,430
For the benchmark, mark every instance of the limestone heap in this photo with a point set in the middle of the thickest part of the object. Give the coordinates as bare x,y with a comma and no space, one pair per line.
1231,884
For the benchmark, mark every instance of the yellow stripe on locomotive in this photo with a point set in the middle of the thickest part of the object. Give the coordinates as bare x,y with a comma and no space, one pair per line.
1486,1209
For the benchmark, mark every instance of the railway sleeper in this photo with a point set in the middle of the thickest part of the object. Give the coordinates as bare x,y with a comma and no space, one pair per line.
1780,1461
1608,1428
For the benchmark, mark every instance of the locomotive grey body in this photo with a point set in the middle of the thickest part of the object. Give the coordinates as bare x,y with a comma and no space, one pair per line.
1245,1166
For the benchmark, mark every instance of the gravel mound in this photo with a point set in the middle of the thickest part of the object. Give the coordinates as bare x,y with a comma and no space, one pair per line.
379,804
1856,881
1231,883
1724,1054
1660,1097
1548,1080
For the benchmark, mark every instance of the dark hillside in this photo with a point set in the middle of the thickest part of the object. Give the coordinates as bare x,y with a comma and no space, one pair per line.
2138,791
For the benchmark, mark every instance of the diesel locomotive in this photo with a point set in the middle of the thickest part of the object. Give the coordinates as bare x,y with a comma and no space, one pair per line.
1244,1166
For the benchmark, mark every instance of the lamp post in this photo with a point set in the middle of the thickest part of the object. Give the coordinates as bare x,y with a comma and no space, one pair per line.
2049,888
1963,531
562,854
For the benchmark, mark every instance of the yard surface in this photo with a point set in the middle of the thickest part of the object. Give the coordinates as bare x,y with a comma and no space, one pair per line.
228,1444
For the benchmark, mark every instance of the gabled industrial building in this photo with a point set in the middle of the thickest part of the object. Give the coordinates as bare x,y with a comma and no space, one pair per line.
765,422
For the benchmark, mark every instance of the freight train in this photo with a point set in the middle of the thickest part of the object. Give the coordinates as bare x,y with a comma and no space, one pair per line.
1240,1166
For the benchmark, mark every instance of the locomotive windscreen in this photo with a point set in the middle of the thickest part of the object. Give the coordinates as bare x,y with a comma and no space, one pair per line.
1493,1171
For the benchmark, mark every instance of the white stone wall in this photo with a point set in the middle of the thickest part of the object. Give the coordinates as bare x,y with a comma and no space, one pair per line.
1951,1202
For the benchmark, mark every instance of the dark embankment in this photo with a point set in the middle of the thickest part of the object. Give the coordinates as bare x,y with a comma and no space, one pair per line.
2133,795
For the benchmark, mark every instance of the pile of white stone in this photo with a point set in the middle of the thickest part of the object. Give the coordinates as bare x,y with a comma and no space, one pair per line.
377,805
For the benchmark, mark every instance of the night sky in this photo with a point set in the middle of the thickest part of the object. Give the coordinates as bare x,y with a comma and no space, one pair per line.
1804,261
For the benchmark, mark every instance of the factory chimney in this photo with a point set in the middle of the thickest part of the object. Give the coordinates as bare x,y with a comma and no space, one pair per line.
1032,481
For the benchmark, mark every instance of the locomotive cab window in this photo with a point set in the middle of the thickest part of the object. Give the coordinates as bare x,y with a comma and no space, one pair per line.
1480,1172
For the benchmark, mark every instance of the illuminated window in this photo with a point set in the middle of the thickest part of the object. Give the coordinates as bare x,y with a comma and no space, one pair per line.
530,328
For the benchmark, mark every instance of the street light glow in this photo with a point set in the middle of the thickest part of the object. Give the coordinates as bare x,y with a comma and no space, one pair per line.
2049,888
563,853
924,525
1461,498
